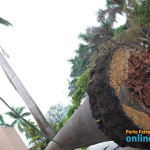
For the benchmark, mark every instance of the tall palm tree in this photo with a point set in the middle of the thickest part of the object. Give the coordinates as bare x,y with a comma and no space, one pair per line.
17,119
34,109
35,138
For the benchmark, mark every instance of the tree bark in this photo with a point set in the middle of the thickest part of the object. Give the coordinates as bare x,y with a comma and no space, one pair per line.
34,109
80,130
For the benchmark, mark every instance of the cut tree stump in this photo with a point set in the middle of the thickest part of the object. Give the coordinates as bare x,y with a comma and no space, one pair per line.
119,93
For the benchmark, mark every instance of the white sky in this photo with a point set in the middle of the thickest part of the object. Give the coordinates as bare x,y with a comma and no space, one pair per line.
43,37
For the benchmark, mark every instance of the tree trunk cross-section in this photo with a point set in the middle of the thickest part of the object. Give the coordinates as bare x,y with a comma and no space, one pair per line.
111,102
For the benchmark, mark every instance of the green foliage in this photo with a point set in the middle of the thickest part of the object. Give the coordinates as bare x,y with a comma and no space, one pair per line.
3,123
139,11
81,61
1,120
142,10
71,110
120,29
17,119
77,96
56,113
72,86
61,124
98,120
85,147
110,3
82,83
5,22
83,80
35,138
87,36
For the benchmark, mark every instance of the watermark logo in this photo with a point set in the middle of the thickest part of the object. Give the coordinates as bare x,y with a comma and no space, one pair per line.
137,136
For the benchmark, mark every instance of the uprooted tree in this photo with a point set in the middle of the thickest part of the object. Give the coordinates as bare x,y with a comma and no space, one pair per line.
119,93
119,87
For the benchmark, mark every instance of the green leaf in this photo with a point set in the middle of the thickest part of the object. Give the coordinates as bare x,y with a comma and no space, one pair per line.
8,125
98,120
26,114
19,110
14,123
5,22
11,114
35,138
1,120
20,128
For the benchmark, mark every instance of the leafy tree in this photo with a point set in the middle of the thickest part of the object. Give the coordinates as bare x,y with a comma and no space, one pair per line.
17,119
120,29
31,134
83,80
56,113
86,36
72,86
35,138
61,123
81,61
77,96
71,110
139,13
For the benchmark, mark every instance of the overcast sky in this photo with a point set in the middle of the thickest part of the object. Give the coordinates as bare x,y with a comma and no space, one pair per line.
43,37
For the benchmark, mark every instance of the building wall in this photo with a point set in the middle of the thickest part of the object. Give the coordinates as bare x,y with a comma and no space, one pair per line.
10,140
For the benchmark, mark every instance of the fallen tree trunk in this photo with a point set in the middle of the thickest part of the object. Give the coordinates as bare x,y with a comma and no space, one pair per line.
119,97
80,130
34,109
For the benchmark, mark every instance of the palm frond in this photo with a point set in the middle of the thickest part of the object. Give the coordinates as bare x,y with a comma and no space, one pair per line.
8,125
22,122
1,119
20,128
14,123
35,138
19,110
26,114
5,22
11,114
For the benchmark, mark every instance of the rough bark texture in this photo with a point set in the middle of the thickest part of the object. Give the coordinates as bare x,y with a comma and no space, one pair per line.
80,130
35,111
106,106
